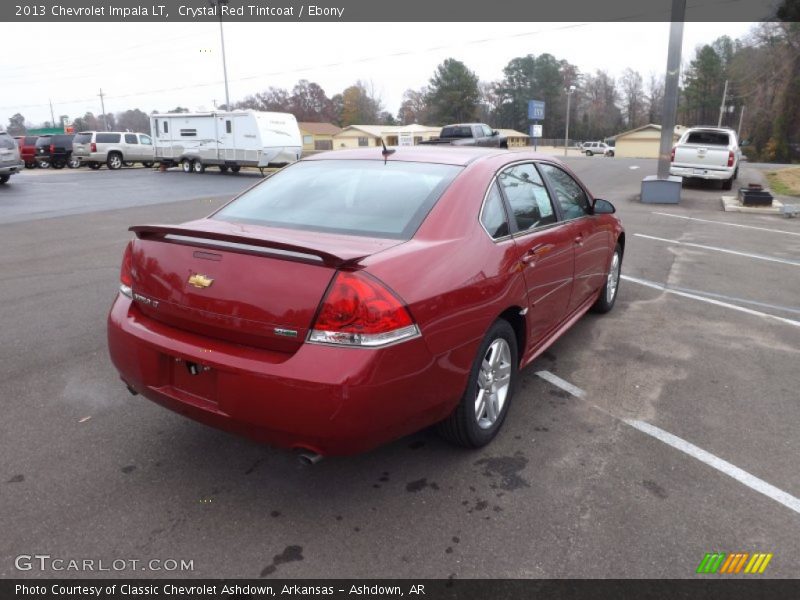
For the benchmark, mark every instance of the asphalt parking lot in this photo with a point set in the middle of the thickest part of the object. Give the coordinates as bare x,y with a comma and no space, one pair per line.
638,442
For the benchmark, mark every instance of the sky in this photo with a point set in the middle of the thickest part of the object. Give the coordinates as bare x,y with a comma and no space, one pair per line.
164,65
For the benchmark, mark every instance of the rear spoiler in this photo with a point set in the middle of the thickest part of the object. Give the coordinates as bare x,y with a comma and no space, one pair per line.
242,243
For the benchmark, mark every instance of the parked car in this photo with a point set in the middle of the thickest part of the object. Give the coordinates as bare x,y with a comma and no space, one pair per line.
10,160
469,134
113,148
384,292
710,153
55,151
27,149
592,148
227,140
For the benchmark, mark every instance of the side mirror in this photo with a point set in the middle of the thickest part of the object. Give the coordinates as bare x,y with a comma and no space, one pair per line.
602,207
495,132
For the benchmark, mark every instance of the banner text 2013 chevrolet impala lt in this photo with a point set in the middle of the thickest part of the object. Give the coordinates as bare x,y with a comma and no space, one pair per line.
358,296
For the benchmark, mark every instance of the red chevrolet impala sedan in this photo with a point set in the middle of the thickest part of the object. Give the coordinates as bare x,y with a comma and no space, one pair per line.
361,295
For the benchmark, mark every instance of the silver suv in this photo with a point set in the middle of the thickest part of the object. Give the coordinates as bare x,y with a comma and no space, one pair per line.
10,161
114,148
592,148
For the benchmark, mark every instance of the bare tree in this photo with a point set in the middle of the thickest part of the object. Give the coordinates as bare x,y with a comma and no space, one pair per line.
633,102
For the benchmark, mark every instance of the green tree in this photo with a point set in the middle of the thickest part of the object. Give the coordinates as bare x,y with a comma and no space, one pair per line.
360,105
703,85
133,120
453,94
16,125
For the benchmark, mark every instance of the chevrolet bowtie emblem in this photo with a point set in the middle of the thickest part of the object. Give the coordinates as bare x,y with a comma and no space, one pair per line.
200,281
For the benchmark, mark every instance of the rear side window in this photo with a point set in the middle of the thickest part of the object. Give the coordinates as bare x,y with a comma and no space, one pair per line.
712,138
130,138
573,200
457,132
82,138
527,195
357,197
107,138
6,141
493,217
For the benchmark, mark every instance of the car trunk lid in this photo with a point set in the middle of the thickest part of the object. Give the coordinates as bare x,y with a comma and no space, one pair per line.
246,284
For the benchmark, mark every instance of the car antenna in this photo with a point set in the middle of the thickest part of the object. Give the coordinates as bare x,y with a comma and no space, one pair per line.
386,152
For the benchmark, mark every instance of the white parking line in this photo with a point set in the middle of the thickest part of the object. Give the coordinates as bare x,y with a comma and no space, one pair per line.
783,261
728,224
564,385
749,311
743,477
721,465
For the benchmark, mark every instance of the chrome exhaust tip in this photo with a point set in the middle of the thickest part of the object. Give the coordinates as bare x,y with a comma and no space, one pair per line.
308,458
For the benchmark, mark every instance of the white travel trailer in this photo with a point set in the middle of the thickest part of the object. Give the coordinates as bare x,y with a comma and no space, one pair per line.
228,140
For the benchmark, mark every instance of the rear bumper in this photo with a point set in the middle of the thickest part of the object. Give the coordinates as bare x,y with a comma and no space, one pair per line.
10,169
719,174
327,399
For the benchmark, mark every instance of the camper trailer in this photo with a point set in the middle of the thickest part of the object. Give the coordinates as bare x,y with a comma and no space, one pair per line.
228,140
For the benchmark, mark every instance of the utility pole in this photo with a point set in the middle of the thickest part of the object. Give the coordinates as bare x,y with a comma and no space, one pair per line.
52,114
103,108
566,131
739,130
722,106
218,4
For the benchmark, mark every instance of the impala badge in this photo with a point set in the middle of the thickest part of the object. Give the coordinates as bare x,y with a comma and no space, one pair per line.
200,281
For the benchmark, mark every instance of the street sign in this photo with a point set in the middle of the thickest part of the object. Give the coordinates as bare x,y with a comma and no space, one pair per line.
536,131
536,110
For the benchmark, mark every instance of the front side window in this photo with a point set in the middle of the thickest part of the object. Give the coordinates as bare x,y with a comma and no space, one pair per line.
527,195
130,138
573,200
493,217
355,197
487,131
145,140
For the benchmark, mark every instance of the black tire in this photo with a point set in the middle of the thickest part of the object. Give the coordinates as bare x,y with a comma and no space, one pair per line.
147,164
94,166
4,178
43,164
114,161
611,154
127,163
589,153
461,427
605,301
223,168
236,168
30,165
58,164
198,166
727,184
186,166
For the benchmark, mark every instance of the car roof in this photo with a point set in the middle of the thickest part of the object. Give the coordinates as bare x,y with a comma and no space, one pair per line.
450,155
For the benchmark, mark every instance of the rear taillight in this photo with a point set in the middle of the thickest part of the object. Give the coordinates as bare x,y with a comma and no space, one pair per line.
730,158
126,272
52,148
672,155
360,311
93,147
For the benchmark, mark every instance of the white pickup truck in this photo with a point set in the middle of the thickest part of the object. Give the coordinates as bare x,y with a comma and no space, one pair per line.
707,153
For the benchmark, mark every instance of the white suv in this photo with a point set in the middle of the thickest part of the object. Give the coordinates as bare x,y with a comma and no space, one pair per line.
592,148
10,162
114,148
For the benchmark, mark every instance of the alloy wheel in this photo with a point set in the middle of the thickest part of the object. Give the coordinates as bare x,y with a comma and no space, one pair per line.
612,282
494,381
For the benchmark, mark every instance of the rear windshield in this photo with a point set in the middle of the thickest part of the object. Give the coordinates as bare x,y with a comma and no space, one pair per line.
457,132
30,140
6,141
62,139
44,141
711,138
107,138
357,197
82,138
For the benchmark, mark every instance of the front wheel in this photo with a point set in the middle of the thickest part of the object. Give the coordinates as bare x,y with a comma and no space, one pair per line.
589,153
4,178
608,295
43,164
73,163
484,405
30,165
236,168
58,164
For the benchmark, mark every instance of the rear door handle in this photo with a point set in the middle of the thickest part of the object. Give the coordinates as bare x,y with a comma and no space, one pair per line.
535,253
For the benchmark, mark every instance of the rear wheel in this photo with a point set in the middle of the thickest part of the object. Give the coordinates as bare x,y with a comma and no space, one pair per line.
727,184
199,167
608,295
484,405
114,161
43,164
127,163
186,165
223,169
4,178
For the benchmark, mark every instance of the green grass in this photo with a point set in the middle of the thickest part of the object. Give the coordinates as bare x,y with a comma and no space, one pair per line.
785,182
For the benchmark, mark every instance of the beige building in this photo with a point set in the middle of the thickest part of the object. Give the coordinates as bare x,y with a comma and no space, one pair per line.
642,142
515,138
356,136
318,136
